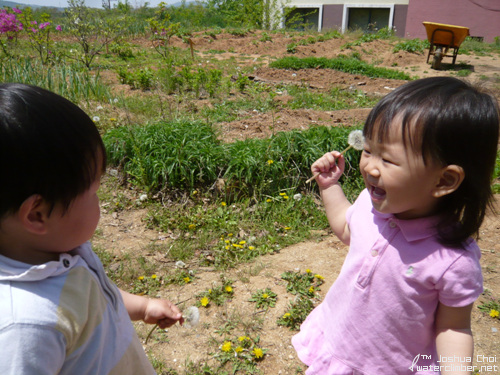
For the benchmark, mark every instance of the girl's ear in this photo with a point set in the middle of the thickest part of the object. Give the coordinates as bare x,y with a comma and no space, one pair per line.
33,214
450,179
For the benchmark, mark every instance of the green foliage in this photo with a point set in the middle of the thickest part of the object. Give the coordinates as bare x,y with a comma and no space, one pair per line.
142,78
240,355
414,45
67,80
343,64
306,284
162,30
93,30
264,299
217,295
296,313
188,155
366,37
167,155
38,32
490,306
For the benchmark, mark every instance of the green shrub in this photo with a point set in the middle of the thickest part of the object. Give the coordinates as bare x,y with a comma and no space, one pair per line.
343,64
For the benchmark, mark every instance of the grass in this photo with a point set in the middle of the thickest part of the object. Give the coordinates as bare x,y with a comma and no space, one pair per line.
343,64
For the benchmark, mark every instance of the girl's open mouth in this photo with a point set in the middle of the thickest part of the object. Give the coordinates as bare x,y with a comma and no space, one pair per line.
377,193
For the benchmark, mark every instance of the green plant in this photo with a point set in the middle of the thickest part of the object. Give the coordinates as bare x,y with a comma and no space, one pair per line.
218,294
491,307
411,45
162,30
344,64
296,313
93,30
306,284
291,48
240,354
264,298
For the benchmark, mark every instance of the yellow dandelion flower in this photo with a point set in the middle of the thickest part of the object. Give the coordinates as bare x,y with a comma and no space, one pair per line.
140,278
243,338
258,353
311,289
230,235
251,247
288,228
282,194
243,242
239,349
192,226
210,291
268,200
112,119
319,277
204,301
227,247
494,313
229,288
195,192
226,347
285,197
223,204
187,279
227,241
265,296
270,162
308,271
287,315
153,276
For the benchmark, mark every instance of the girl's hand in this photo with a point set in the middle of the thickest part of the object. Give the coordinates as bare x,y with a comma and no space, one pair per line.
331,167
162,312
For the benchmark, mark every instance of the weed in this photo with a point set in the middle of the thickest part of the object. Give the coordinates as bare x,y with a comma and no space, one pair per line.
264,298
296,313
491,306
344,64
217,295
412,45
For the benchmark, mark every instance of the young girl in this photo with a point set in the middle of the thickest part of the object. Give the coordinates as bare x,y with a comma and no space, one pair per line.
59,313
402,301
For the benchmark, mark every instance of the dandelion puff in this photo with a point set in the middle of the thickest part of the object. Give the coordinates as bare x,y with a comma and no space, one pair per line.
96,118
191,317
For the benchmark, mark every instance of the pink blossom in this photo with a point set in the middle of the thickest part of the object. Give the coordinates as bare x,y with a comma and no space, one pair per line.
18,11
58,27
43,25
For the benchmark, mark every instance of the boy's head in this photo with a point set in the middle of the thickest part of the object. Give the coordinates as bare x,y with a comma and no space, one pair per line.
449,122
48,147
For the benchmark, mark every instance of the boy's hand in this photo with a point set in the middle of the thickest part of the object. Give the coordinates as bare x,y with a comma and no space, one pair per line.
162,312
331,167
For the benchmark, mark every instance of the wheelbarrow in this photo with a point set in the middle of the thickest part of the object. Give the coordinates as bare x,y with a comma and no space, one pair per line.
444,38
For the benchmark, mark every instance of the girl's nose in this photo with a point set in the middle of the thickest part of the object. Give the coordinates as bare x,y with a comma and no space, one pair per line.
371,168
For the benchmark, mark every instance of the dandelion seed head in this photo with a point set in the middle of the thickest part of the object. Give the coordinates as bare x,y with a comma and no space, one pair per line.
191,317
356,139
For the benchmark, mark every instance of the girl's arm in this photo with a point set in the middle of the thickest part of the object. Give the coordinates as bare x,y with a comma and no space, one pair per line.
454,340
331,166
151,311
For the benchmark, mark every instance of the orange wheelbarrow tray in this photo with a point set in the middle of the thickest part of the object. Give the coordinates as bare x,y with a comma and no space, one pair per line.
444,37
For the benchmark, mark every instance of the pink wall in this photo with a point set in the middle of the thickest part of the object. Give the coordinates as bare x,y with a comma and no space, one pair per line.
482,17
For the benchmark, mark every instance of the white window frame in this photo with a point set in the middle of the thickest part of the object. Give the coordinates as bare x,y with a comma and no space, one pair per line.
345,14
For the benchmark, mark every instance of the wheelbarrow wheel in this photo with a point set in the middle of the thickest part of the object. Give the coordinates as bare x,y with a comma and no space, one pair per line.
438,56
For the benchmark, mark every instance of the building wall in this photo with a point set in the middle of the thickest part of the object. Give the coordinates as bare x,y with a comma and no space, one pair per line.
482,17
400,15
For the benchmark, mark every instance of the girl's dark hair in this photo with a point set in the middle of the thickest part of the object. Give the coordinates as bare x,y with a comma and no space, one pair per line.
48,146
451,122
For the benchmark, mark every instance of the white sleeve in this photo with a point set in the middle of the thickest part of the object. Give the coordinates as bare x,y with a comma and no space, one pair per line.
29,349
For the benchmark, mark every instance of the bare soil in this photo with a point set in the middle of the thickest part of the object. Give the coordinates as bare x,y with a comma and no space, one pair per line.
126,232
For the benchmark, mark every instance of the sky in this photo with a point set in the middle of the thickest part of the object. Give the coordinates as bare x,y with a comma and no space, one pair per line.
92,3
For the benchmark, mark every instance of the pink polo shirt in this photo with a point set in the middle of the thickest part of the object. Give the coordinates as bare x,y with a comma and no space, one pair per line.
378,316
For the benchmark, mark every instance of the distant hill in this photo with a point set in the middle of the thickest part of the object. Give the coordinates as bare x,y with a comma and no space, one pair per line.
13,4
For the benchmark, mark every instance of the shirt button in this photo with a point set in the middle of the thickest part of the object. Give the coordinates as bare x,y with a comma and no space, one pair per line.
65,263
392,224
374,253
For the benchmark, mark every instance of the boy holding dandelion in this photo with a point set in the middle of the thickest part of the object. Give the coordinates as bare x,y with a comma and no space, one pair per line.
403,299
59,312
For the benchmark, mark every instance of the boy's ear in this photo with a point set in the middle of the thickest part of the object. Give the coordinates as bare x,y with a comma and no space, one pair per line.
449,181
33,214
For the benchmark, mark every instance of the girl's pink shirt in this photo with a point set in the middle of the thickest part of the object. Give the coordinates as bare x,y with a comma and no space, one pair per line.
379,314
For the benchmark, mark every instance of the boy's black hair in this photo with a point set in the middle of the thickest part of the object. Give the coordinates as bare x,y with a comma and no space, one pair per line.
48,146
451,122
